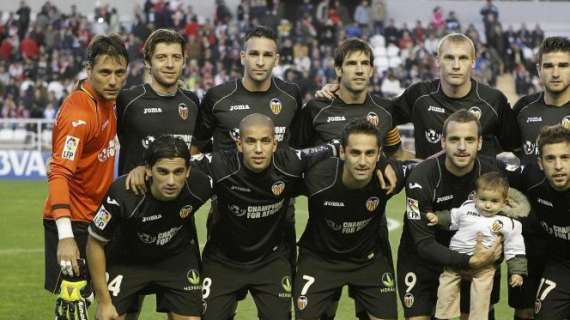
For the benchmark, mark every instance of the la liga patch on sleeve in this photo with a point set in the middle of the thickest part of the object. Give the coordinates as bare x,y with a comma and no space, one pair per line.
70,147
412,209
102,218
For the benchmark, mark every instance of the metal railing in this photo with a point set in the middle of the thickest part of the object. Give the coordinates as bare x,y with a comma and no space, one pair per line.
25,134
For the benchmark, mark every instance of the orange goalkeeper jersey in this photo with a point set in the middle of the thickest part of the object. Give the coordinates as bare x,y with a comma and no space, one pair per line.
83,155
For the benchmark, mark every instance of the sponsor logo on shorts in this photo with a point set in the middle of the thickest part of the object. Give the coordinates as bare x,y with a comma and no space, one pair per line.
287,287
409,300
185,211
278,187
193,278
302,302
372,203
476,111
388,283
373,118
70,147
432,136
537,306
497,226
566,122
275,106
102,218
412,209
183,111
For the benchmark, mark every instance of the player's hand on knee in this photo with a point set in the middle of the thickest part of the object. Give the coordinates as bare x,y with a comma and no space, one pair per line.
431,218
327,92
136,180
106,311
67,256
516,280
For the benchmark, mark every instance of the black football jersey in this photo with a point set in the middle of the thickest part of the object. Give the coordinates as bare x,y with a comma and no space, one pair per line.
426,106
321,121
224,106
343,222
532,114
143,229
251,206
429,188
143,115
550,207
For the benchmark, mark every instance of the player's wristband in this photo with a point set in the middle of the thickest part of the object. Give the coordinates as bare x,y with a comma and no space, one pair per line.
64,229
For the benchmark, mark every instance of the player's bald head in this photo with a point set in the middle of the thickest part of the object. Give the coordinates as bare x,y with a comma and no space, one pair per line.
456,38
256,120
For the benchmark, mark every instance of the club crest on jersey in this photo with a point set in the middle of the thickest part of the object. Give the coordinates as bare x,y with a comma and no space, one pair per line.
302,302
566,122
70,147
372,203
432,136
476,111
185,211
183,111
276,106
278,187
373,118
497,226
409,300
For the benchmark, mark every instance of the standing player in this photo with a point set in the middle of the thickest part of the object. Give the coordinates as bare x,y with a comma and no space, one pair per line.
159,107
533,112
441,182
322,120
341,244
248,248
224,106
427,104
145,243
547,186
83,155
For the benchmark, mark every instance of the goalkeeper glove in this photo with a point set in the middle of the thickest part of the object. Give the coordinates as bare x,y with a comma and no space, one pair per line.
71,303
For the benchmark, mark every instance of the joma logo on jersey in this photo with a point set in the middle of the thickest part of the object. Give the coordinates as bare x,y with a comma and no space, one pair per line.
185,211
444,198
275,106
533,119
277,188
545,202
432,136
151,218
152,110
240,107
333,204
372,203
373,118
336,119
436,109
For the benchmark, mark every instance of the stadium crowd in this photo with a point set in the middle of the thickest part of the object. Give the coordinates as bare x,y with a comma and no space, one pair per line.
41,56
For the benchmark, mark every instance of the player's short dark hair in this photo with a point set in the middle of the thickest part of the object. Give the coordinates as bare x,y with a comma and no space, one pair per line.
351,45
493,181
361,126
162,36
552,135
261,32
553,44
166,147
461,116
106,44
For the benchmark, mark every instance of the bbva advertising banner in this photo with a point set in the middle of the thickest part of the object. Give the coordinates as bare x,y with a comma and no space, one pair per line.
17,164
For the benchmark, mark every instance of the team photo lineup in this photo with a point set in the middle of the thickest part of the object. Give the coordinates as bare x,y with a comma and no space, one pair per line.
484,182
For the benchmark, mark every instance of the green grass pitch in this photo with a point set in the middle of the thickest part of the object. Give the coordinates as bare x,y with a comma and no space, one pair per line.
22,259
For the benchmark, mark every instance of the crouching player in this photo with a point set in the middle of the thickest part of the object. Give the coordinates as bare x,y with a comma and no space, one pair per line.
145,243
491,215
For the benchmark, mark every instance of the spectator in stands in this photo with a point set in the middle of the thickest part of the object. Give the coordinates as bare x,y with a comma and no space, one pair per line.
489,12
377,14
391,85
391,33
452,24
437,20
29,47
342,12
24,18
361,15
